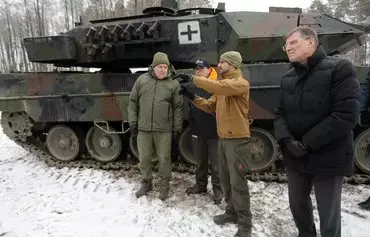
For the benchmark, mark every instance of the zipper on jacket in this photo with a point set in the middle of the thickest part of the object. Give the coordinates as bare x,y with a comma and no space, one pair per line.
151,123
301,103
303,81
168,112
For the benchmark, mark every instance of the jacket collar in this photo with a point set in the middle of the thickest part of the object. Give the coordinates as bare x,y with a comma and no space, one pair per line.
232,74
213,74
312,61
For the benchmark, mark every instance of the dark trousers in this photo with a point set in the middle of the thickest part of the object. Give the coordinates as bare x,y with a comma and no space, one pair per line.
328,190
205,151
233,158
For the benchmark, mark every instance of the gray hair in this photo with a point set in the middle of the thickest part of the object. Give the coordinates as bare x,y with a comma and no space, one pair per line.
306,33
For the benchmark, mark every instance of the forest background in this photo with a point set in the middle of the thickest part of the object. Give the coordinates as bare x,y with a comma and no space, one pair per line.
29,18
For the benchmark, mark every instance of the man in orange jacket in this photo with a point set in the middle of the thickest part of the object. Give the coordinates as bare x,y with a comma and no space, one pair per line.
204,137
230,101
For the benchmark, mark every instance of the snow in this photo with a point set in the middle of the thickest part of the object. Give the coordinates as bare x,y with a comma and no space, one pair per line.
37,200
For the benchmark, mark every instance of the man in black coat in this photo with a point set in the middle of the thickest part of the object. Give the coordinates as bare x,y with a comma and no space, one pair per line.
204,137
364,107
318,108
365,95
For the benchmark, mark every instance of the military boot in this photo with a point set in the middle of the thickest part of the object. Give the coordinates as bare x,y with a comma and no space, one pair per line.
164,189
365,204
196,189
217,196
146,186
243,232
225,218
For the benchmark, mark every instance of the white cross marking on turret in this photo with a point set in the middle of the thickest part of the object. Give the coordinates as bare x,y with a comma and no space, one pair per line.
189,32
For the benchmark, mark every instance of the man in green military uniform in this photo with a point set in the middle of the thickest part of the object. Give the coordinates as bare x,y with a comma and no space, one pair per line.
155,114
230,101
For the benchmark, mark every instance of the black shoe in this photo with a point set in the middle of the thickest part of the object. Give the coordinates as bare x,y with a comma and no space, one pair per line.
217,196
196,189
242,232
225,218
365,203
146,186
366,207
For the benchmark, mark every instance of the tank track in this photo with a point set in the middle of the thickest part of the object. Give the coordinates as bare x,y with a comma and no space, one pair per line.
37,148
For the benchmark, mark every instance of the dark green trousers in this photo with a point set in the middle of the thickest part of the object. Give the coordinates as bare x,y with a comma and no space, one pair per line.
233,156
147,143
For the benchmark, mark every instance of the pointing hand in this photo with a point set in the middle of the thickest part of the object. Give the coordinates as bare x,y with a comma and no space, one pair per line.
185,78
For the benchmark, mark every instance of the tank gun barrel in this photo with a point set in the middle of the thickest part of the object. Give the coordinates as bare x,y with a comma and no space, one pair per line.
366,25
367,29
363,25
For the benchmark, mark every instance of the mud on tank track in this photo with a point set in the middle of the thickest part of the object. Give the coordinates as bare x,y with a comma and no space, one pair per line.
38,149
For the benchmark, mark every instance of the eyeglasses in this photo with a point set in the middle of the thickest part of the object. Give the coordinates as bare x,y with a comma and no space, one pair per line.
294,43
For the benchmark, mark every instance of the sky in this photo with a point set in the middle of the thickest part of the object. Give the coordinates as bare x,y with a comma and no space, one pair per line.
260,5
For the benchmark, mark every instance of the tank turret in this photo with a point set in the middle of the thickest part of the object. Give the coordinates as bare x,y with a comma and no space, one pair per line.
186,34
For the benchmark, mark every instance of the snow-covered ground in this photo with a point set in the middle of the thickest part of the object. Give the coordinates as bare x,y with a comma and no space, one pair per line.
37,200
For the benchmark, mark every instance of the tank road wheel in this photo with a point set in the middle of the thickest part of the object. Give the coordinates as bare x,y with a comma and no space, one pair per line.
185,146
16,125
362,151
134,150
102,146
263,150
133,146
63,143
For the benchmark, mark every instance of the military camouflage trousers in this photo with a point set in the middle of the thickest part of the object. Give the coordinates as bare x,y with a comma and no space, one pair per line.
154,144
233,155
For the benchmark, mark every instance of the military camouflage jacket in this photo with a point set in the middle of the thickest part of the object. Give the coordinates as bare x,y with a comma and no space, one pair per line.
155,105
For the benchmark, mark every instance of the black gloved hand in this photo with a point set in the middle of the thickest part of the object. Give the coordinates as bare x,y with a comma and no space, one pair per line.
134,129
185,78
297,148
184,91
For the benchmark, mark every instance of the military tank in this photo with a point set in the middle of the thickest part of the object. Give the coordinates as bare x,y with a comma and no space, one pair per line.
65,115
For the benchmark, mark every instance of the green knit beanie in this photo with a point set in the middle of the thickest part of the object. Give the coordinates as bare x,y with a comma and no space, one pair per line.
160,58
232,57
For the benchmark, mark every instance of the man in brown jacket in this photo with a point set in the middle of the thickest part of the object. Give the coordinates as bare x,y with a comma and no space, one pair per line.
230,101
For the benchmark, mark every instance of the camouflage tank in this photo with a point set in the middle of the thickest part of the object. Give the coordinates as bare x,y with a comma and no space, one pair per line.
68,115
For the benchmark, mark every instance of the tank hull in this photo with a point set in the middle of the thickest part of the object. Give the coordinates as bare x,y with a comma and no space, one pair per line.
84,97
33,104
